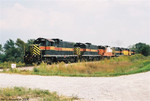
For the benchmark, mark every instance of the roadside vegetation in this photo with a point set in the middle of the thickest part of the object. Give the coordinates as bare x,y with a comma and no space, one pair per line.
26,94
7,65
108,67
116,66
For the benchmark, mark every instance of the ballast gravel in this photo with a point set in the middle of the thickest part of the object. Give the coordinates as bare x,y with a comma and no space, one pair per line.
134,87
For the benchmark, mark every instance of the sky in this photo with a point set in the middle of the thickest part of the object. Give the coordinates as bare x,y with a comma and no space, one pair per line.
101,22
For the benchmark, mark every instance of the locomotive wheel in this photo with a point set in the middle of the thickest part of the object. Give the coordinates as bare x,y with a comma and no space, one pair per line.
72,60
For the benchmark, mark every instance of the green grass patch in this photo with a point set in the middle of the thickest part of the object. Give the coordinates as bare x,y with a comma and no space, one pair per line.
25,94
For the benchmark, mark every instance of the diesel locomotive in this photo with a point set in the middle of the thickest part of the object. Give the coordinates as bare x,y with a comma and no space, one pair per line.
54,50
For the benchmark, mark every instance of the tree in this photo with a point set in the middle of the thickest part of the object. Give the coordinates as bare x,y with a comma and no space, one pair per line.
0,47
14,51
10,51
142,48
1,53
29,42
20,45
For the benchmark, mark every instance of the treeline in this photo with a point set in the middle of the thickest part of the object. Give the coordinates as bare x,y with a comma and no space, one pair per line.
15,51
141,48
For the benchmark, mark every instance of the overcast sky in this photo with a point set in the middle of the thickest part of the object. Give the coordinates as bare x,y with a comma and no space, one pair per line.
101,22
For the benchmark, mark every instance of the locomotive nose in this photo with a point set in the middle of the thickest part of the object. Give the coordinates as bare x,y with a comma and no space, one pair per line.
35,50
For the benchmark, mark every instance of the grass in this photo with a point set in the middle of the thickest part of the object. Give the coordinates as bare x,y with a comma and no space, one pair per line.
123,65
116,66
7,65
25,94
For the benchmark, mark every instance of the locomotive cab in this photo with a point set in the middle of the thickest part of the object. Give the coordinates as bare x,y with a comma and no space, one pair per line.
105,51
117,51
125,51
37,50
79,49
45,44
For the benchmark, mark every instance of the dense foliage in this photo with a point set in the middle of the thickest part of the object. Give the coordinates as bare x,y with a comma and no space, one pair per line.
14,51
142,48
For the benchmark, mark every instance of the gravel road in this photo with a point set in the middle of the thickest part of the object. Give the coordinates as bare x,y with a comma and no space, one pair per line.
124,88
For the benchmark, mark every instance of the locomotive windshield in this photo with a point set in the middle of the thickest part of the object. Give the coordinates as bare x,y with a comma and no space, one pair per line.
48,43
44,42
40,42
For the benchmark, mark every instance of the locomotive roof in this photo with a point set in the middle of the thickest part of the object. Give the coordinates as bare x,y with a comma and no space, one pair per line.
59,40
50,40
80,43
47,39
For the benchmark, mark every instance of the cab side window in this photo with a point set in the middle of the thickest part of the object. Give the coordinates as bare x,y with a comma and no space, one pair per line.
52,44
42,43
48,43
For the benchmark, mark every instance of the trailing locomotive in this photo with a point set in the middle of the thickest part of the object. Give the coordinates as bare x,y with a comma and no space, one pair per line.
105,51
86,51
53,50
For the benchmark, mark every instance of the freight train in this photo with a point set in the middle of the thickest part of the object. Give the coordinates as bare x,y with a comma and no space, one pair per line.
54,50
